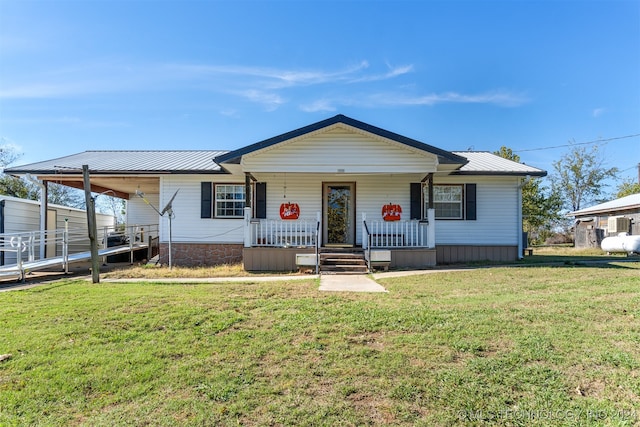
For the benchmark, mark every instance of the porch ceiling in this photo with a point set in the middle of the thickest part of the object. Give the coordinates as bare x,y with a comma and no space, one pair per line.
121,186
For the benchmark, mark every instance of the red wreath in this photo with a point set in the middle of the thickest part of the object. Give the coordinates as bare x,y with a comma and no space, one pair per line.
289,211
391,212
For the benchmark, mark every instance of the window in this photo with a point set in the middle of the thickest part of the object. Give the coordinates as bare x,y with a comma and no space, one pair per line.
447,201
229,201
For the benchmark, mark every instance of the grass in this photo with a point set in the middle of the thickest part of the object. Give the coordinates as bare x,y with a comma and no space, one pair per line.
506,346
542,255
157,272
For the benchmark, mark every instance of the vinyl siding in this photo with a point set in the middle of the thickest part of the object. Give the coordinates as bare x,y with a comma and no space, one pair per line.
140,213
496,223
497,214
187,226
340,149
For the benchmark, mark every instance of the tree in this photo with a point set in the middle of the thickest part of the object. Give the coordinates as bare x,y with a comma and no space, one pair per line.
114,206
65,196
540,205
24,189
628,187
580,177
12,186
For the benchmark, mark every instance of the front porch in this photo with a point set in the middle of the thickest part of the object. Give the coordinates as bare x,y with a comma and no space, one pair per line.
277,245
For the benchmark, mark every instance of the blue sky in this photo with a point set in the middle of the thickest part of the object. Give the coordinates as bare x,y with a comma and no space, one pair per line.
80,75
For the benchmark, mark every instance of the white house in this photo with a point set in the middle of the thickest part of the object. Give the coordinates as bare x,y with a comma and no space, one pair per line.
337,183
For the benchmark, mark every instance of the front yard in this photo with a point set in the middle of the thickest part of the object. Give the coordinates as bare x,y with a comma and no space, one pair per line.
508,346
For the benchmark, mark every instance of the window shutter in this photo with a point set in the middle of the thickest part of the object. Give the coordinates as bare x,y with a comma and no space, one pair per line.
470,202
261,199
206,196
416,200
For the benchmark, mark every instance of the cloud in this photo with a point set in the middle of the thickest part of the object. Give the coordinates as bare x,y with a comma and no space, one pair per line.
117,76
273,78
270,100
597,112
394,99
499,98
270,87
392,73
318,105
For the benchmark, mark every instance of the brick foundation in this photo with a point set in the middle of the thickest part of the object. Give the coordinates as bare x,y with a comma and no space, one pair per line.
201,254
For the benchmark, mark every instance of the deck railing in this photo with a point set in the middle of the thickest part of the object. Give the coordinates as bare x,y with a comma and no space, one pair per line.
279,233
398,234
20,248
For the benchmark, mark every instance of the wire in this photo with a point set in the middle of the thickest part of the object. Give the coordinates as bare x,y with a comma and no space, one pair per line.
215,235
578,143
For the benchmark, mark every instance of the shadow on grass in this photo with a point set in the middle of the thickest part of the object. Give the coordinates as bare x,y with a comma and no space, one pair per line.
558,261
579,261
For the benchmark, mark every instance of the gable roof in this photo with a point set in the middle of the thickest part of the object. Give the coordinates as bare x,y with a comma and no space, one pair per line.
622,204
486,163
444,157
127,162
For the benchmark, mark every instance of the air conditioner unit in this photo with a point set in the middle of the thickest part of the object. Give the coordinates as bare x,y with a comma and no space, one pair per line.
618,224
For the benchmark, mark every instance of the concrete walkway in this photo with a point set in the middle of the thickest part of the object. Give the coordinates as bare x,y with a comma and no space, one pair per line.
349,283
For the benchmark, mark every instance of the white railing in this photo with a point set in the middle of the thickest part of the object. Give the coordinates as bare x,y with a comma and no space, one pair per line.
279,233
18,248
398,234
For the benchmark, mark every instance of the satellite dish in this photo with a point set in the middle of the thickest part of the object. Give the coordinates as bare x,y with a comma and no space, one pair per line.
168,206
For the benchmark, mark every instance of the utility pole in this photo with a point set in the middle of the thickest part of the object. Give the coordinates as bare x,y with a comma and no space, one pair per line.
91,225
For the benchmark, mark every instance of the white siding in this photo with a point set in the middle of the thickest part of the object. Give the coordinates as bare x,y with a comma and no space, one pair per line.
497,214
187,226
140,213
497,211
343,149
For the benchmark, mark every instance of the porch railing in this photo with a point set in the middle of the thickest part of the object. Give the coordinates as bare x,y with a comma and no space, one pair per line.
278,233
399,234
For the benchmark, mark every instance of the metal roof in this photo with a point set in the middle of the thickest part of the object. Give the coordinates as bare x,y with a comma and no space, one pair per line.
486,163
127,162
622,204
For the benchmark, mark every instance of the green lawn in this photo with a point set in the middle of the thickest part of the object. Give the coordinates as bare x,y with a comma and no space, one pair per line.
494,346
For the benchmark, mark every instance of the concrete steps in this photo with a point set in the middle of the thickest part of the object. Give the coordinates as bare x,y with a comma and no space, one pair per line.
342,261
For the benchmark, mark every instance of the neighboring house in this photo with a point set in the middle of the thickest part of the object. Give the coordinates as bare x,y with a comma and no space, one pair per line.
22,217
336,183
594,223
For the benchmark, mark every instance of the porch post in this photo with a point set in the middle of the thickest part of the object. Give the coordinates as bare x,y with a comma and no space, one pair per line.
430,184
247,189
431,230
247,227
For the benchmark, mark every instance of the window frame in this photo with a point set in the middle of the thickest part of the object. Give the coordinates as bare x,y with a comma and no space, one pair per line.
461,202
215,200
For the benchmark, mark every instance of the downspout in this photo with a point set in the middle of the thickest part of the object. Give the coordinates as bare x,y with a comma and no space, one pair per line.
2,202
43,212
520,222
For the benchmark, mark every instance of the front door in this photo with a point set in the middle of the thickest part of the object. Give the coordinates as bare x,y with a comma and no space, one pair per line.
339,214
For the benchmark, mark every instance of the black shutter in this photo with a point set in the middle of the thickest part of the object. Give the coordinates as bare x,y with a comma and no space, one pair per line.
261,199
416,200
470,201
206,196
